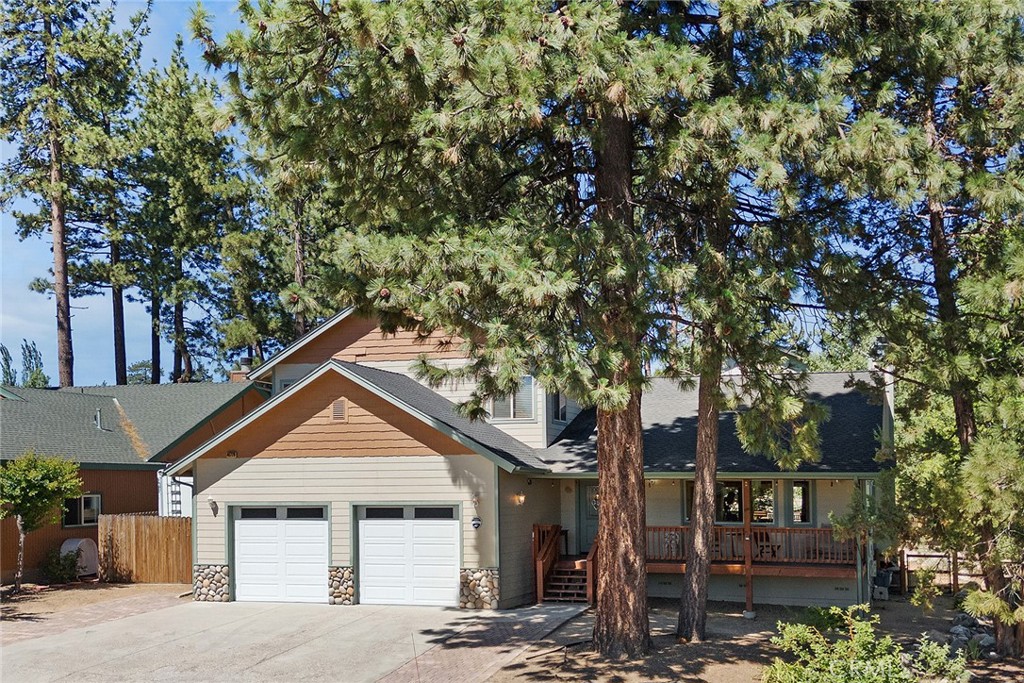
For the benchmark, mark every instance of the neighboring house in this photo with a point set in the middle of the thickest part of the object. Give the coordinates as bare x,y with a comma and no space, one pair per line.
118,435
357,483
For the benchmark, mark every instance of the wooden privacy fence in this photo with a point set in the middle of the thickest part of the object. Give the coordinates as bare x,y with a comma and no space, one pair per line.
144,548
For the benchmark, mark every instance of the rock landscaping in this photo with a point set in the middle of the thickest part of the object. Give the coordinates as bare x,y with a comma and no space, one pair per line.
967,635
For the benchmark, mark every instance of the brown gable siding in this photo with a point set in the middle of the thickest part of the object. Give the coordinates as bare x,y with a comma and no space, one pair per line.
241,407
302,426
360,339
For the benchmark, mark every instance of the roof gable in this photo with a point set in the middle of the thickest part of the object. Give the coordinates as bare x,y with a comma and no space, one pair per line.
399,401
350,337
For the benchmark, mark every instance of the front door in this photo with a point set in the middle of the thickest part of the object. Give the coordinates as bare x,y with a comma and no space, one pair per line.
588,506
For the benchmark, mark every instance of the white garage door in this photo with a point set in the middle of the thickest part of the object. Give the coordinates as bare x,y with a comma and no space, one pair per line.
281,554
410,558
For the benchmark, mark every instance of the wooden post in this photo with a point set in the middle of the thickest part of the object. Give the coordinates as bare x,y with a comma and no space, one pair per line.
954,570
748,543
904,577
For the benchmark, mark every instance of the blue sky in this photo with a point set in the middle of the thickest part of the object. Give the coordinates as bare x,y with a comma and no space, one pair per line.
27,315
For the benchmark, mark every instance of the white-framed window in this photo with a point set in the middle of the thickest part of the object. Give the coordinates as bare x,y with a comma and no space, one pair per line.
559,407
763,509
801,498
82,511
518,406
729,502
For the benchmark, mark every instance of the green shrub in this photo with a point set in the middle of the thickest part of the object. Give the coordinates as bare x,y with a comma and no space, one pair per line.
58,568
925,590
857,655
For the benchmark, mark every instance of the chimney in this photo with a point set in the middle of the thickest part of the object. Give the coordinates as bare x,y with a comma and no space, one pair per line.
244,368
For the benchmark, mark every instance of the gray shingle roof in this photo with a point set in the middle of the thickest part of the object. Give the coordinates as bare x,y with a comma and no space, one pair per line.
62,422
163,413
422,399
669,415
56,423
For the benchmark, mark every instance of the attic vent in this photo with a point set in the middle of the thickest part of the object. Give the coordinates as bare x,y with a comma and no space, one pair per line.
339,410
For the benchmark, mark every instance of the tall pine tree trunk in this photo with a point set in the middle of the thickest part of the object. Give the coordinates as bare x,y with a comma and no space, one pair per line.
621,627
300,263
692,624
1009,638
116,289
156,305
58,226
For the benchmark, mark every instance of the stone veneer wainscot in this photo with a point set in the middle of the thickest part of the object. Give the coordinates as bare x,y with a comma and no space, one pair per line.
210,583
479,588
341,585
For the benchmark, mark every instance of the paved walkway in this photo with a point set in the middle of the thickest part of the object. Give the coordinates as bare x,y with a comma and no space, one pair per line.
26,626
477,652
276,642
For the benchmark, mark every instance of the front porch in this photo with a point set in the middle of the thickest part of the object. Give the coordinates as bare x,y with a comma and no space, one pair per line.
747,552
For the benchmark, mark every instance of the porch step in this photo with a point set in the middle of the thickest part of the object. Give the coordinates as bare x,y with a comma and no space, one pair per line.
566,584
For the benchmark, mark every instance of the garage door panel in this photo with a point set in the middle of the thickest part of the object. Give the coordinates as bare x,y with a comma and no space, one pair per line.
426,572
432,553
419,566
434,531
281,560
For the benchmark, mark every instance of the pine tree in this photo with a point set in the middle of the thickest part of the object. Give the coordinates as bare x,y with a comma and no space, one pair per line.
934,148
107,193
59,58
513,173
191,197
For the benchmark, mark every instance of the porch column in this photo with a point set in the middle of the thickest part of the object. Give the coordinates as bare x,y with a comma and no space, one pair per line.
748,547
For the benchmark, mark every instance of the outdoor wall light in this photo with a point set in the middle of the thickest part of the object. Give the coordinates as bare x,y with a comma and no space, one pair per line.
213,505
519,498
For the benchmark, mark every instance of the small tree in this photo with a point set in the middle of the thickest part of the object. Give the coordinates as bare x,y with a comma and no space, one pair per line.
32,490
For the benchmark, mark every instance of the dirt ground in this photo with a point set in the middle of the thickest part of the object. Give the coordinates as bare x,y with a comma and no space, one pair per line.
736,651
43,600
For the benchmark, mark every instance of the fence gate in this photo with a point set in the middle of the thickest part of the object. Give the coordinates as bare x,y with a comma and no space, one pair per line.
145,548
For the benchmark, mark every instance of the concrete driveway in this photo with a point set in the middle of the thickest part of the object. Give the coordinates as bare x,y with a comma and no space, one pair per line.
285,642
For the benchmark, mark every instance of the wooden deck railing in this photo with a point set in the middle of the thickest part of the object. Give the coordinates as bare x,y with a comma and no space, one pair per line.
769,544
545,553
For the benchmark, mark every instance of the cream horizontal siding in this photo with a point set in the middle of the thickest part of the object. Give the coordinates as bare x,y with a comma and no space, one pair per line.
531,432
664,502
541,507
831,496
292,372
342,483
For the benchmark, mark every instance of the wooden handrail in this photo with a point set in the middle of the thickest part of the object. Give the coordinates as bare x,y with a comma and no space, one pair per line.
592,573
545,539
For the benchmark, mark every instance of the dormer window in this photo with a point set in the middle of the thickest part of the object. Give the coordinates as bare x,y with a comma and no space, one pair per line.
518,406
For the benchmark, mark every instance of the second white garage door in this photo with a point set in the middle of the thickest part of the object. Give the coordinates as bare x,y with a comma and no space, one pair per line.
409,561
281,554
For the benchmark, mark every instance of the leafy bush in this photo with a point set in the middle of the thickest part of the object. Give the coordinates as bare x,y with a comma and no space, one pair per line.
857,655
61,568
824,618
